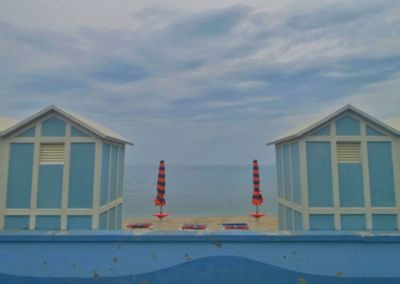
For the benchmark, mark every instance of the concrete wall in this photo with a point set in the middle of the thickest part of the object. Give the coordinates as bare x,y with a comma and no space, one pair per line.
66,194
340,195
191,258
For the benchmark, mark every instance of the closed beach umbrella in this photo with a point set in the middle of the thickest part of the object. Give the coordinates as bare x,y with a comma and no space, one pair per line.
160,198
257,196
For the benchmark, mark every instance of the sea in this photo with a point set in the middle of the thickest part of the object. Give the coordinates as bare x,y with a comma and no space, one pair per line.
198,190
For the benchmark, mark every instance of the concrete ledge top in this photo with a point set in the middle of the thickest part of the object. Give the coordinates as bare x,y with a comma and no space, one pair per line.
189,236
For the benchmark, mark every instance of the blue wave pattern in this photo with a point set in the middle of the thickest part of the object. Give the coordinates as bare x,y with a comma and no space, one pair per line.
221,270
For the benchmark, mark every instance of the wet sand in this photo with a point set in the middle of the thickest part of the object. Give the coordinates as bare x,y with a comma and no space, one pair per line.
173,223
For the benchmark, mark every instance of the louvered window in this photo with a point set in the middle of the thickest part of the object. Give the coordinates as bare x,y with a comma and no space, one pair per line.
348,152
52,153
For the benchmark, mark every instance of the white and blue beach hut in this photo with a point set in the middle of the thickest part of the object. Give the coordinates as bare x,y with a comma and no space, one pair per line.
60,171
340,173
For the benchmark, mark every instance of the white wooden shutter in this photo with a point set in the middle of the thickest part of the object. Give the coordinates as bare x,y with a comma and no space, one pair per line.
52,153
348,152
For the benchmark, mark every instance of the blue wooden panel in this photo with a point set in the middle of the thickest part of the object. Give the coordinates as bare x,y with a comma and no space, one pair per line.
105,165
347,125
113,176
50,186
287,173
289,218
281,217
79,222
75,132
351,186
103,221
81,175
53,127
319,172
384,222
279,163
296,173
323,131
353,222
118,221
48,222
20,175
298,221
16,222
121,164
381,174
373,132
111,218
322,222
27,133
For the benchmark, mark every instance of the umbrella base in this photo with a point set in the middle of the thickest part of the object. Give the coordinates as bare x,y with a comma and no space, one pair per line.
257,215
160,215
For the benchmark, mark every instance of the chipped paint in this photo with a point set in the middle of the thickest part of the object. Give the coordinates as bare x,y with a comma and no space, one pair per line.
187,257
302,280
217,244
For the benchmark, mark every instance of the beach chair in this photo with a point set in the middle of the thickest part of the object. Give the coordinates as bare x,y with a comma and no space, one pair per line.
193,227
235,226
139,225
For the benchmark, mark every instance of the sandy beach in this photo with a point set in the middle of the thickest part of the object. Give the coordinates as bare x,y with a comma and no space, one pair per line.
173,223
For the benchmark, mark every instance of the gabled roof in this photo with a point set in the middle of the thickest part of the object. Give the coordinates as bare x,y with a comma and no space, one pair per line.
87,124
300,131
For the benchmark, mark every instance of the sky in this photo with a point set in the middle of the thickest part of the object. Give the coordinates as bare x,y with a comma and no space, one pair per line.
200,82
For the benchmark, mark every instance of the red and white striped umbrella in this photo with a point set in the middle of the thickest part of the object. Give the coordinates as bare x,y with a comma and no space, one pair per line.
257,198
160,198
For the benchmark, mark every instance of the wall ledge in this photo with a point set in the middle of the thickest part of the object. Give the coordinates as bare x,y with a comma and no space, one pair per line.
193,237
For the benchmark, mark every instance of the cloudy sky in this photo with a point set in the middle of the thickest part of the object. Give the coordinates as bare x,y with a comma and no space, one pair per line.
200,81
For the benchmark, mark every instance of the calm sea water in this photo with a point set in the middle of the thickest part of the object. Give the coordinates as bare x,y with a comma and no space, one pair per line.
201,190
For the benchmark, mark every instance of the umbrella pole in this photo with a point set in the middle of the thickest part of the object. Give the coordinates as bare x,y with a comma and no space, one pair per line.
161,210
257,209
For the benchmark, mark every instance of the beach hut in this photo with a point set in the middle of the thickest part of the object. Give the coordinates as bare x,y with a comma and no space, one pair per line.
59,170
339,173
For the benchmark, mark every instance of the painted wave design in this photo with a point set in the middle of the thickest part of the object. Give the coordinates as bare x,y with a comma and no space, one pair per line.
222,269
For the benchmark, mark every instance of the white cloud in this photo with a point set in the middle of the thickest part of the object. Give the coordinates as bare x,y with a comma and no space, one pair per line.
152,69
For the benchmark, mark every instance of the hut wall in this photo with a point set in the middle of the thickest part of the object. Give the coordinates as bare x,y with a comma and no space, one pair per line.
111,190
289,185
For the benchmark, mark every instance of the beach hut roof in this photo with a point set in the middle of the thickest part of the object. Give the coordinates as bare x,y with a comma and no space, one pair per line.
304,129
88,124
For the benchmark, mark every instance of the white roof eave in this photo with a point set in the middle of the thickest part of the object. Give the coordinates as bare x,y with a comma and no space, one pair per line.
313,126
78,120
